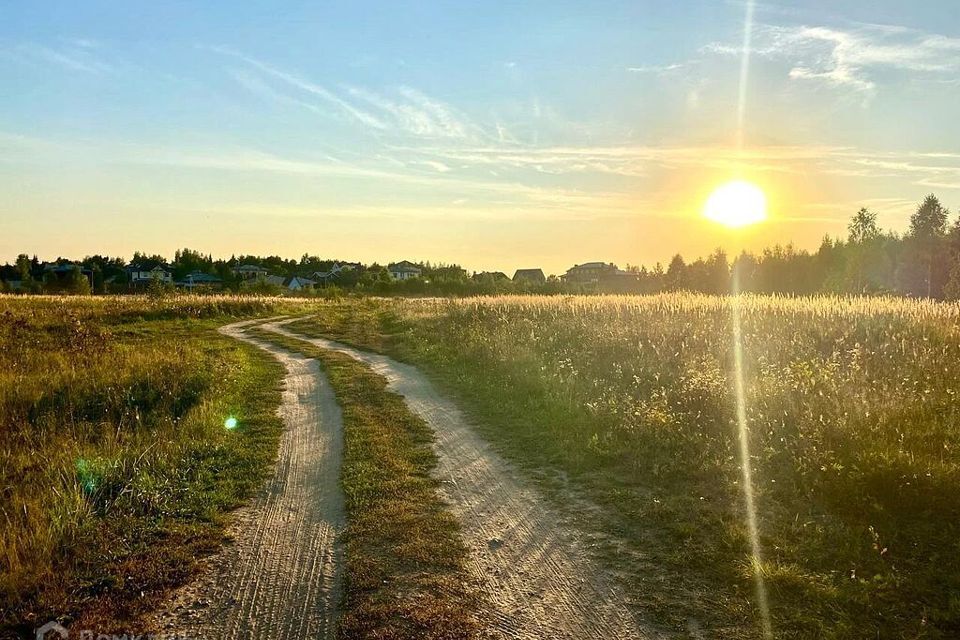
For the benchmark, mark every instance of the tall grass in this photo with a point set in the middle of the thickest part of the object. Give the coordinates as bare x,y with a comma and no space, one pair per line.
852,414
116,469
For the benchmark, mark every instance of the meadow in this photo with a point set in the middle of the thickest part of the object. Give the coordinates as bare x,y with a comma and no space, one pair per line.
117,470
852,415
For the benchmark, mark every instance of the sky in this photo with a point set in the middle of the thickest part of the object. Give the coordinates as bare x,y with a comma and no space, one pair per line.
495,135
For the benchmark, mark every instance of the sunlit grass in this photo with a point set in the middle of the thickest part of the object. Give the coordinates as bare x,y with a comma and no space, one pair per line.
850,409
116,467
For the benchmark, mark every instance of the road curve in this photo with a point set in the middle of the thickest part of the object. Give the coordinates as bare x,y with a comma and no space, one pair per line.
537,577
280,578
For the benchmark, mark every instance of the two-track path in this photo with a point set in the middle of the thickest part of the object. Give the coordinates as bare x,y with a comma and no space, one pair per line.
535,570
280,577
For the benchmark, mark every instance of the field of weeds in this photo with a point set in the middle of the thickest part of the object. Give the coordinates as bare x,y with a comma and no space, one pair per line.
117,469
852,414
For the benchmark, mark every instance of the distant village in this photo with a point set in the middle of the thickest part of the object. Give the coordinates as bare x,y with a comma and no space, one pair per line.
924,262
193,272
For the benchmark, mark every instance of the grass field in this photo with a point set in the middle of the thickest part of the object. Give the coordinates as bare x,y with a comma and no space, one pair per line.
117,469
852,414
119,472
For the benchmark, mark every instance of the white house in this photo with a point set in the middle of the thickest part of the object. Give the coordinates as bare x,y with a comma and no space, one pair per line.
250,272
404,270
139,274
299,283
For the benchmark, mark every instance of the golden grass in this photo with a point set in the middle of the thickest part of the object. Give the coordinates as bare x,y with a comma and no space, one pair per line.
116,469
852,412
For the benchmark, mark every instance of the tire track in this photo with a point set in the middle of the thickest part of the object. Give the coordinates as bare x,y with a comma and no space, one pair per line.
537,577
280,578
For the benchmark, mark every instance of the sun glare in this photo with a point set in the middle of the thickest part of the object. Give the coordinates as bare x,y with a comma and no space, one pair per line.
736,204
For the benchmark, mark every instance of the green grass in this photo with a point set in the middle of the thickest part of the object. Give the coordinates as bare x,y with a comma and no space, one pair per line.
405,575
117,470
852,413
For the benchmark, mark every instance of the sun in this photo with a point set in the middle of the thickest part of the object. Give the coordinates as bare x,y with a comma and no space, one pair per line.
736,204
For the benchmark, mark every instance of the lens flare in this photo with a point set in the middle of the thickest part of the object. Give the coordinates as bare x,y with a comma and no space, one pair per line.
87,475
743,431
230,423
735,311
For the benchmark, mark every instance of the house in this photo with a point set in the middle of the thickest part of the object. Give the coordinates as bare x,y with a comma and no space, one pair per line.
404,270
591,272
140,275
337,270
496,276
199,279
250,272
276,281
299,283
532,276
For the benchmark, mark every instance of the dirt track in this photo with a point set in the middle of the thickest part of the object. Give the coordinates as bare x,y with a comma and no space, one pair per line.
280,577
536,573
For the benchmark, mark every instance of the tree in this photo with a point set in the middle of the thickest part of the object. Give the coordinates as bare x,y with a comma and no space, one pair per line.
743,273
188,261
864,252
677,274
951,290
72,282
24,267
863,227
925,266
718,273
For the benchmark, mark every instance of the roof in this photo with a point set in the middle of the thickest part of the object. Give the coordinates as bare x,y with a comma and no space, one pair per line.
404,266
496,275
250,268
529,273
592,265
198,277
147,267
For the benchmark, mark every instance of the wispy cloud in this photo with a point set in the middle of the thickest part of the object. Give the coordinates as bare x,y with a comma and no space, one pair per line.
301,84
74,58
436,166
662,69
410,111
417,114
933,169
256,85
853,58
451,123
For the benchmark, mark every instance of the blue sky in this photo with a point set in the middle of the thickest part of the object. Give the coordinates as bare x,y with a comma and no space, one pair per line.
496,135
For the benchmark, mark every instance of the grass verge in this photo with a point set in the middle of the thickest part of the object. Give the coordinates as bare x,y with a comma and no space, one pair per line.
117,470
405,572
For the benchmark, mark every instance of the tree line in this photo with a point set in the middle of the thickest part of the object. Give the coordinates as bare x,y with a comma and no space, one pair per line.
923,262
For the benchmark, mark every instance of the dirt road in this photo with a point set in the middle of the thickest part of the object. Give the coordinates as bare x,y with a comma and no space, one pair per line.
280,577
537,576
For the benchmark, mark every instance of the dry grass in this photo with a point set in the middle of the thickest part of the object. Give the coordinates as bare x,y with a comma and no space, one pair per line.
117,470
852,410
